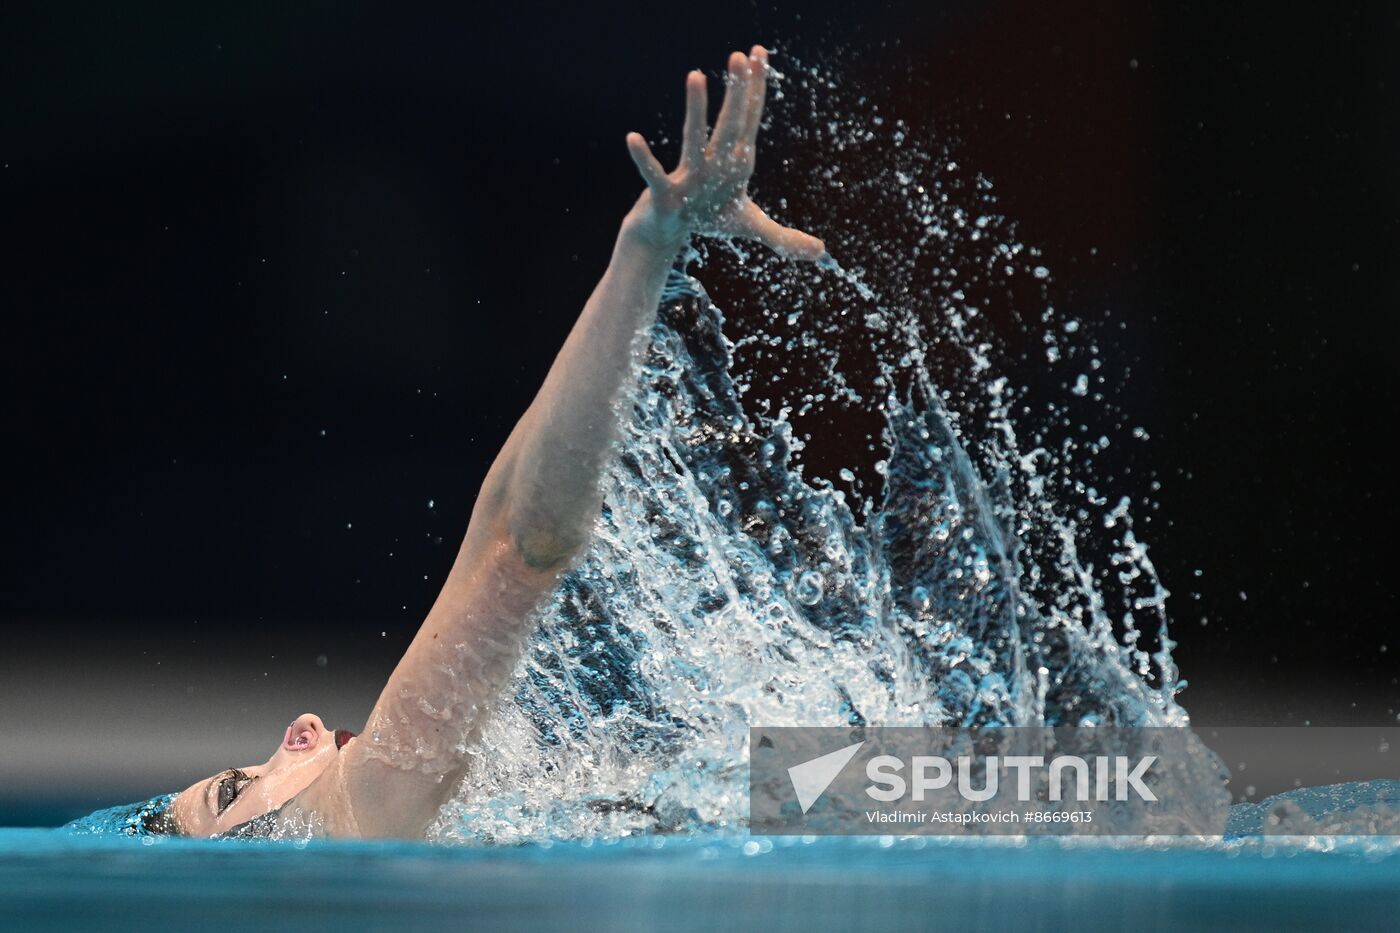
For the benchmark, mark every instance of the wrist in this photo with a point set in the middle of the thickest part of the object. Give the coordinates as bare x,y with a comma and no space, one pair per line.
640,232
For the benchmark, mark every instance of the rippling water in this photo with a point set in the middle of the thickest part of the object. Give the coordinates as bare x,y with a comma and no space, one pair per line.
53,881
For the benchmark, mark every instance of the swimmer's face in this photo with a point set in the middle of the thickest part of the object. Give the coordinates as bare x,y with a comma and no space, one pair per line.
219,803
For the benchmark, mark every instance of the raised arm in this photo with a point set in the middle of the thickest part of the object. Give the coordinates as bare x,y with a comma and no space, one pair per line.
540,497
558,448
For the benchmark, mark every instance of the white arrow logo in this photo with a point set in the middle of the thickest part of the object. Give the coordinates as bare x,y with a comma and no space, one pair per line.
811,778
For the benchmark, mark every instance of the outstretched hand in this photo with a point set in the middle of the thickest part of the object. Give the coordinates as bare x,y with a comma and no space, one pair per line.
708,191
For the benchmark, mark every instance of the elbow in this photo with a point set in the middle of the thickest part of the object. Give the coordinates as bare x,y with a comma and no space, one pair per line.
547,548
545,531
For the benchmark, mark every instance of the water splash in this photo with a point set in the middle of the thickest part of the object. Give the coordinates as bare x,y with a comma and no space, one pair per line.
723,589
726,587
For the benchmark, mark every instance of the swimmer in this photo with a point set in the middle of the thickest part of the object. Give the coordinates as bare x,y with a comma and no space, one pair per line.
531,519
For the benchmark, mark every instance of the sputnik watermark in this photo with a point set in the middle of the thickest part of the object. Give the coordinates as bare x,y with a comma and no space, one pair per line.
1069,777
960,818
869,780
810,779
932,773
1099,780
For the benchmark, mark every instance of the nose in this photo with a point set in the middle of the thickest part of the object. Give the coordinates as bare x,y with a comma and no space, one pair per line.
304,734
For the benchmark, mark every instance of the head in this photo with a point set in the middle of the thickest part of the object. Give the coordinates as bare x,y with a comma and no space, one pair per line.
218,803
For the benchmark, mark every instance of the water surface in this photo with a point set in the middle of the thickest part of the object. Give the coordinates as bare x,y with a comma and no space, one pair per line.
57,881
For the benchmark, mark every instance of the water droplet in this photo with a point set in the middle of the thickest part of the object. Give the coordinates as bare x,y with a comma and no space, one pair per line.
810,588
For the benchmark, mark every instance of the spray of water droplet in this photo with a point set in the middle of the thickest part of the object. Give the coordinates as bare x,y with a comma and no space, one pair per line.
967,570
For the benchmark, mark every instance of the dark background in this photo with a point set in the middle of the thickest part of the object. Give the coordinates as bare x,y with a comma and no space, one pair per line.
276,285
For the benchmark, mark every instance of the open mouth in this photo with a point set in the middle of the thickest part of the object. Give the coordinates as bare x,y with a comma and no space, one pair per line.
342,738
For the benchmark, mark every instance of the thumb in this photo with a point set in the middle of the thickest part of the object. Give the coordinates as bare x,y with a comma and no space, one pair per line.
787,242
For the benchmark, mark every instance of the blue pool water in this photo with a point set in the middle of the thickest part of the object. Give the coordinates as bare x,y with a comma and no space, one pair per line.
55,881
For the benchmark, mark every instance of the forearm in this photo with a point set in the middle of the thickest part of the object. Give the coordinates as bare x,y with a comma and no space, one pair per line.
546,478
548,484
